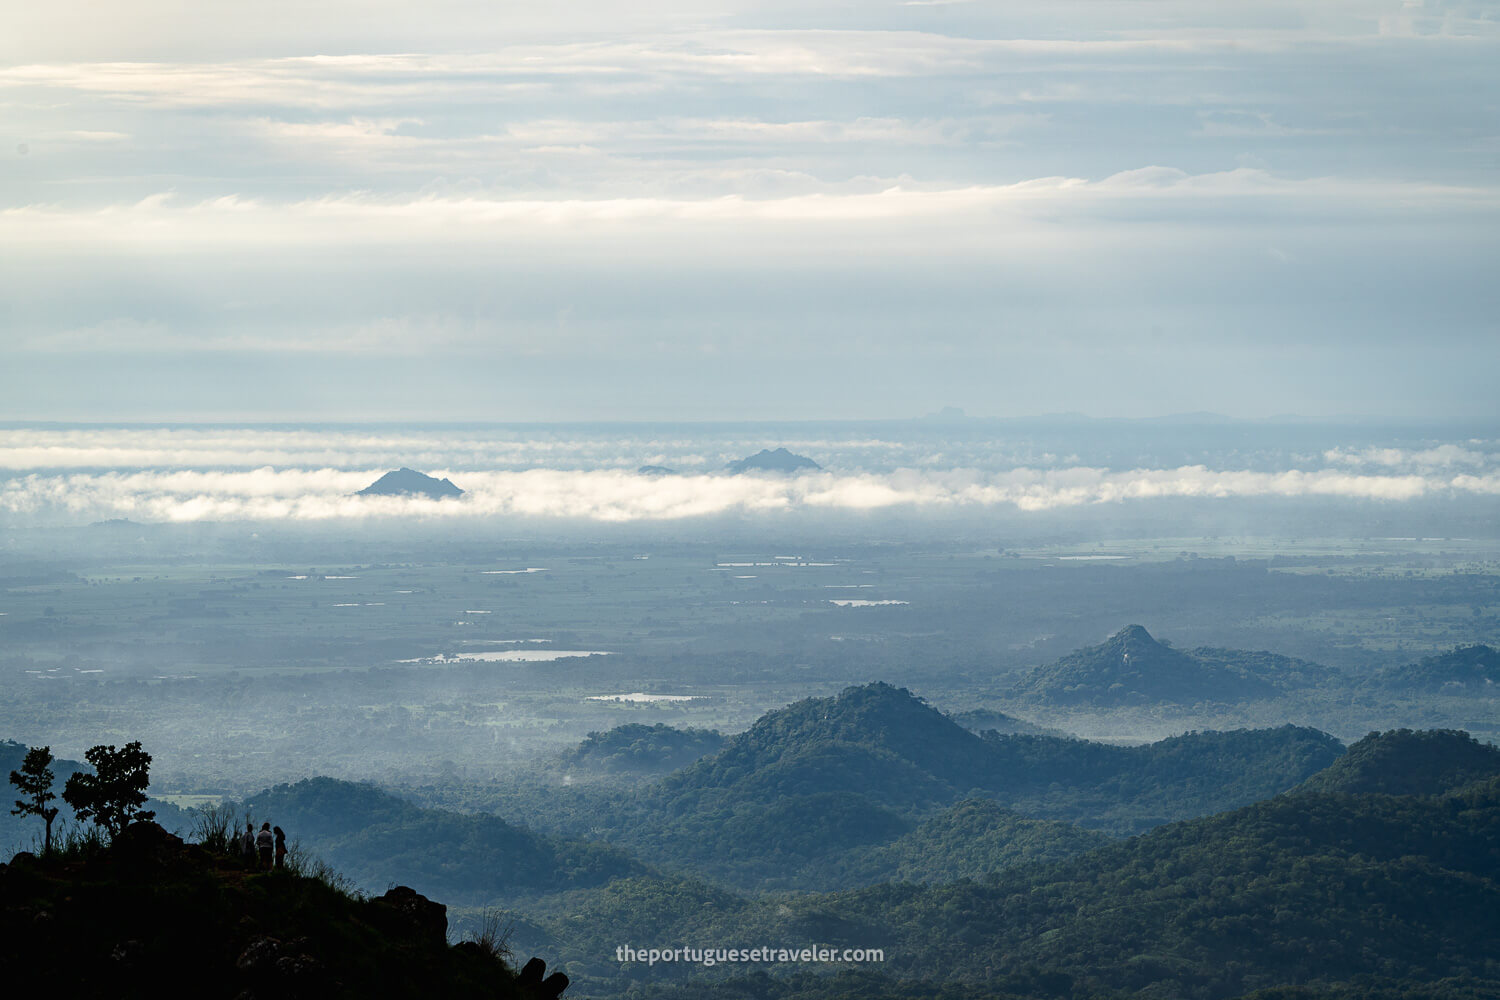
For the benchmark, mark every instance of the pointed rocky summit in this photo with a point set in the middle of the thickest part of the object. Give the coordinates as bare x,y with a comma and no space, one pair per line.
1132,668
409,482
779,460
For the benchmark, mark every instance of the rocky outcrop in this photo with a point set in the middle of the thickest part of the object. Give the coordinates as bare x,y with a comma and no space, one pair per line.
414,913
104,922
531,978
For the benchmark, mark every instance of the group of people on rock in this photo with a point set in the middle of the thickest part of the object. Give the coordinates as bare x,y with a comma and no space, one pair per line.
259,849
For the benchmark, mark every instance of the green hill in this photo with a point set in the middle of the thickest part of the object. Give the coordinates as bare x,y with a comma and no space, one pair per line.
1297,889
876,716
981,720
1464,670
1133,668
1403,762
865,767
973,839
1348,894
371,835
636,748
1313,895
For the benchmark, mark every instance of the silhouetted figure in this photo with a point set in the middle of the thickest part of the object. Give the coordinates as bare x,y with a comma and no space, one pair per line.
247,844
280,846
264,841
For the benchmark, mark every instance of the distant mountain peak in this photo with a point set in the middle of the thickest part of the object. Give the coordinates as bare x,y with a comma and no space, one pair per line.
1133,667
877,713
1133,635
779,460
410,482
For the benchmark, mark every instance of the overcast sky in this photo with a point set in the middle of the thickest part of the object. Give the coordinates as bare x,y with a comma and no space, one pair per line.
748,210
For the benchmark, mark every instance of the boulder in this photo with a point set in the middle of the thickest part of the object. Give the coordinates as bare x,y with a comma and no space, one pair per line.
427,919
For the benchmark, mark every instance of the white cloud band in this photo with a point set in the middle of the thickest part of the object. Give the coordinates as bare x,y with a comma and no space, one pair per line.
617,496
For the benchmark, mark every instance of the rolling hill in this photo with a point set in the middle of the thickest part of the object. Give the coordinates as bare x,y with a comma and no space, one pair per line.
973,839
637,748
866,766
1314,895
368,834
1403,762
1464,670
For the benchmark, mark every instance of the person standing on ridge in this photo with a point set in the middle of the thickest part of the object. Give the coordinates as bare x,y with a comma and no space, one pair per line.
280,846
263,843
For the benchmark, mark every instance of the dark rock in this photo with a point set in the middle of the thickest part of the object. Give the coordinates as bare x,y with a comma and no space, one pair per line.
531,978
282,968
428,919
127,953
298,967
259,956
143,845
531,972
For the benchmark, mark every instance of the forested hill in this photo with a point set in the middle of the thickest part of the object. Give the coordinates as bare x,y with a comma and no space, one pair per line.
1403,762
1133,668
636,748
929,757
981,720
372,836
1473,670
787,798
1297,889
883,721
974,839
1352,894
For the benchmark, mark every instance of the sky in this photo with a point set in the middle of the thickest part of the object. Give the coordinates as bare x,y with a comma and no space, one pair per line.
744,211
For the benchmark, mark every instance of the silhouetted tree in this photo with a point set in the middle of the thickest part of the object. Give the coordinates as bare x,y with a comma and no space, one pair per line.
113,795
34,780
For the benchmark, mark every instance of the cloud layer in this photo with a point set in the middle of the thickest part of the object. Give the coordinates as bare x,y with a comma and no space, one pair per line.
588,474
614,497
1124,207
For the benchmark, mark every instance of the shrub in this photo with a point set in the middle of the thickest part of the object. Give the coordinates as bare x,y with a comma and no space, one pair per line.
493,934
214,828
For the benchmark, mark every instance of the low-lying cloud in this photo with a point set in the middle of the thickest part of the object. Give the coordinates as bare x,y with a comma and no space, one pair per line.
617,496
